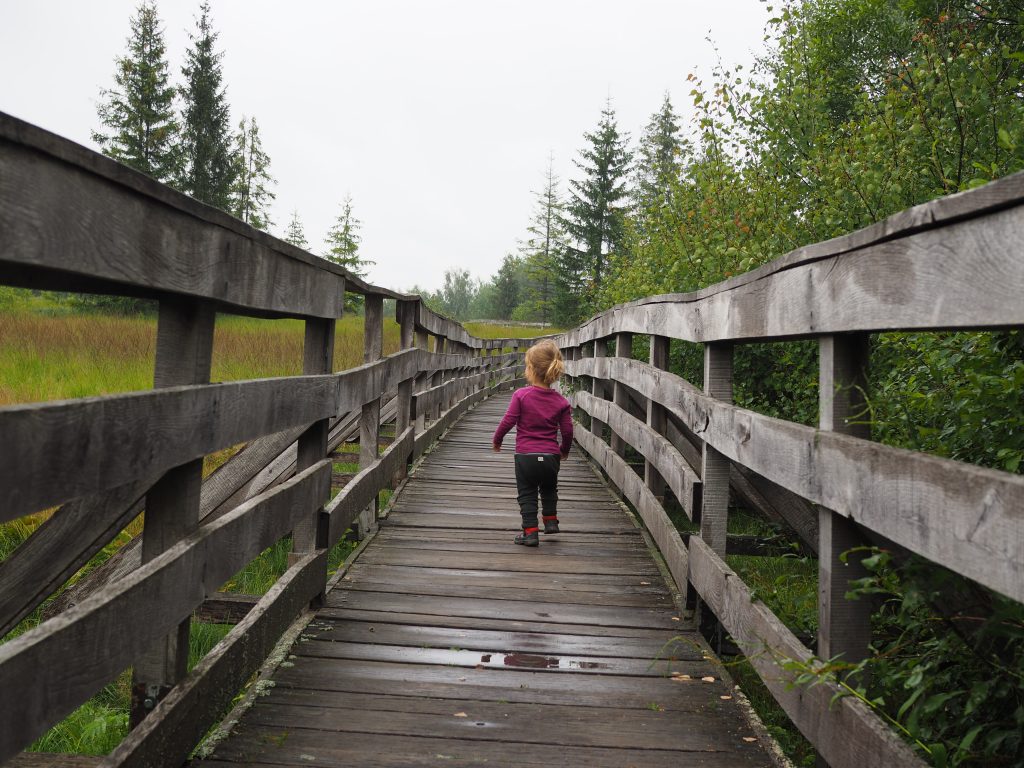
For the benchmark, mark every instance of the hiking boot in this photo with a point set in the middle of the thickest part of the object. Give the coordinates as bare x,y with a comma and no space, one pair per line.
551,526
530,539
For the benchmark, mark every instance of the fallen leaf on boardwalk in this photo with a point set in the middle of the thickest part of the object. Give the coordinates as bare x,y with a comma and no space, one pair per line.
676,618
462,679
708,679
680,677
460,714
645,583
725,698
749,739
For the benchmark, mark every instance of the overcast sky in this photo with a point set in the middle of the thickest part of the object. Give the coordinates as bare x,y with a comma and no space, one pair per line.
437,117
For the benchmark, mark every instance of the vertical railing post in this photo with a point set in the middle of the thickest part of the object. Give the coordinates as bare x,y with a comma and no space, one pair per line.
421,381
620,395
844,626
184,352
439,377
714,515
318,358
599,388
369,419
656,419
406,311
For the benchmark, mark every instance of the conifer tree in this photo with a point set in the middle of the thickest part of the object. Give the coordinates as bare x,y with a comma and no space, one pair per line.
251,193
208,171
138,112
659,162
543,248
295,234
343,241
595,217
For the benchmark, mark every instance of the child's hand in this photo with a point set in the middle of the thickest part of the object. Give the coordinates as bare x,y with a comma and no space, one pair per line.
565,456
496,448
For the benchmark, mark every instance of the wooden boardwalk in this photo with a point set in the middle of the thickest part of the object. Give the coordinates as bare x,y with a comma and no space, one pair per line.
446,644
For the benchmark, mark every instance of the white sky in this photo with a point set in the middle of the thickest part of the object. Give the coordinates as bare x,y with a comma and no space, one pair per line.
437,117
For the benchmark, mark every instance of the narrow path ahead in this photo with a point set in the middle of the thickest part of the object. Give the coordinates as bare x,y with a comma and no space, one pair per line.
447,644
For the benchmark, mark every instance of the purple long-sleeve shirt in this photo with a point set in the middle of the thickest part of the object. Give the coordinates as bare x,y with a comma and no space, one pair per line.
538,414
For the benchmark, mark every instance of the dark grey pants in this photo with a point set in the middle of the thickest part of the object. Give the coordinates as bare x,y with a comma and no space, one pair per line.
537,474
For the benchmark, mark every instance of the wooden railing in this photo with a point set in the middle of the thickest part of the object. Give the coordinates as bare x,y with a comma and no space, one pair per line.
951,264
72,220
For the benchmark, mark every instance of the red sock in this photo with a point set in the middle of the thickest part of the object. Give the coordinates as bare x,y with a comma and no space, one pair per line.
531,530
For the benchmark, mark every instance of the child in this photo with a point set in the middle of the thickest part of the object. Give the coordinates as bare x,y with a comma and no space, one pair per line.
539,413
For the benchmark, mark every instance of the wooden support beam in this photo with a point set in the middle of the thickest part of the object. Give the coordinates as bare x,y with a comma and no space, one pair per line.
406,311
620,395
844,626
715,466
184,353
423,380
599,389
318,358
656,416
369,422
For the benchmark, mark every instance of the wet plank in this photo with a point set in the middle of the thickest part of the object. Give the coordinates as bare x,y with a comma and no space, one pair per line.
447,643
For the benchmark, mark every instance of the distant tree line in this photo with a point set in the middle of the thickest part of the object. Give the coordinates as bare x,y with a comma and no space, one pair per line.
181,135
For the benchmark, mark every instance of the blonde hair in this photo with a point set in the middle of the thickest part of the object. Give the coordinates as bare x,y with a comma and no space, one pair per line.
544,363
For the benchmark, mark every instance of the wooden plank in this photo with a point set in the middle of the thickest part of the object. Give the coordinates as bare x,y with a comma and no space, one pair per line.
225,608
656,450
844,730
346,506
662,530
969,519
117,439
180,721
52,760
43,670
143,237
65,542
659,348
369,420
946,264
620,395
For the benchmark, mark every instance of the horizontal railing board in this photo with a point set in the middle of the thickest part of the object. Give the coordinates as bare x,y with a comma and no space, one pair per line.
664,533
844,730
170,732
424,401
364,487
30,156
968,519
679,475
947,264
53,668
109,441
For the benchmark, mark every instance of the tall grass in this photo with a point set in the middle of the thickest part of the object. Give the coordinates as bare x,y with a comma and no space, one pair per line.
489,331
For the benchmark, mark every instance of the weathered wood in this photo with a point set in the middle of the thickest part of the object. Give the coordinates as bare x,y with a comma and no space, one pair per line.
317,358
144,238
947,264
714,509
369,421
658,358
225,608
656,450
844,626
184,354
845,731
664,533
967,518
42,669
364,487
620,395
60,546
51,760
599,388
437,397
179,722
114,440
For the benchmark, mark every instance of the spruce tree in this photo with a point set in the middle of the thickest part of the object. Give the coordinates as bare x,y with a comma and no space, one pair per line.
251,193
343,241
208,171
543,248
595,217
659,162
138,112
295,234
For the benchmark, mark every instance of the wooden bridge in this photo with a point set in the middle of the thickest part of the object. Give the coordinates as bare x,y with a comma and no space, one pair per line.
440,642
